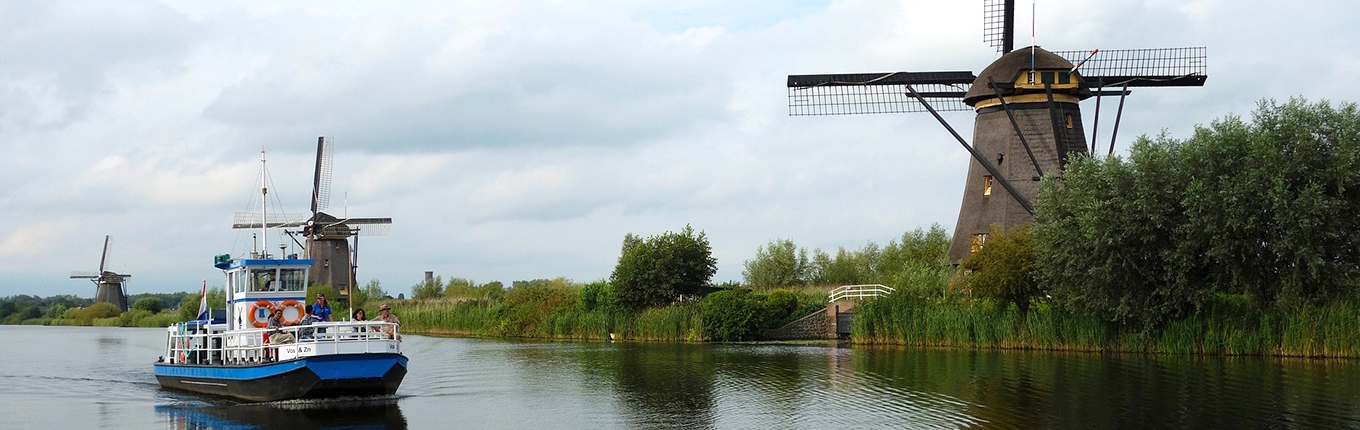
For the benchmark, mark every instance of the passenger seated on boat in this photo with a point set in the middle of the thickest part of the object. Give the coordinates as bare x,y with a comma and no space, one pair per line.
275,322
360,316
305,332
387,316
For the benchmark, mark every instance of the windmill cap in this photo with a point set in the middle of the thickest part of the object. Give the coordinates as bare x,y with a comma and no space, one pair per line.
1009,67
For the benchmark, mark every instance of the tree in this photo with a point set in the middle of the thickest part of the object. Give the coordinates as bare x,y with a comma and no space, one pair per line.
428,289
655,271
778,264
373,290
1006,269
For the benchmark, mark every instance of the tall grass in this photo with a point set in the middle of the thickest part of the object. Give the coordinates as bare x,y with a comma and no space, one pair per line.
1226,326
537,319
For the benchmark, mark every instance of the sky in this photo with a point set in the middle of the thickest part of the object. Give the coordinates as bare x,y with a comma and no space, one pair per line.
517,140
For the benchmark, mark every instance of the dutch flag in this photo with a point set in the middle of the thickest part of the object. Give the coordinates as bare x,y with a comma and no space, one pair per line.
203,303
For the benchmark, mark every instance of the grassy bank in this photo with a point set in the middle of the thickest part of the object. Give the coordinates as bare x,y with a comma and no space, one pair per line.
676,323
1228,325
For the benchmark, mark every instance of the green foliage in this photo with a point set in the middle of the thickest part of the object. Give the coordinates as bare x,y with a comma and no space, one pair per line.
149,304
428,289
914,260
734,315
781,303
188,303
598,295
655,271
1006,269
526,305
373,290
776,265
1266,209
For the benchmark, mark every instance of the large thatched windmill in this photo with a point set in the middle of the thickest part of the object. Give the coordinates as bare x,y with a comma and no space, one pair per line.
1028,115
108,285
335,260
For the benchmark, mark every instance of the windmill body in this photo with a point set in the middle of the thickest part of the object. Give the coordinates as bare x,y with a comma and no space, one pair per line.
1044,101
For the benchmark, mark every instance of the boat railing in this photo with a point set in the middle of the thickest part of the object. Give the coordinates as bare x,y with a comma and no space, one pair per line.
199,345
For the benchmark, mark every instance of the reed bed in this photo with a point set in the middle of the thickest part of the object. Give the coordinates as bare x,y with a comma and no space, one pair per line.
1220,328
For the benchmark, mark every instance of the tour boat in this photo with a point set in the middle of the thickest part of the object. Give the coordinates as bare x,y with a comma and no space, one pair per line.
239,356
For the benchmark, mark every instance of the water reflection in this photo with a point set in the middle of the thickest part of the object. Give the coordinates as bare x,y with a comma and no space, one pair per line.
380,413
659,385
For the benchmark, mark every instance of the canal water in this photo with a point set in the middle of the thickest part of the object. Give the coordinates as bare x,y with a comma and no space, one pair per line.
96,377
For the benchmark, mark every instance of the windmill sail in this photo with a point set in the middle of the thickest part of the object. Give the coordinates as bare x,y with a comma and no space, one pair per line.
1155,67
871,93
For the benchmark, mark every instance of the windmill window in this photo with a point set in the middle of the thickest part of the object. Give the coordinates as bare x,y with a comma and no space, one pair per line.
1069,120
1047,77
987,185
1064,78
979,239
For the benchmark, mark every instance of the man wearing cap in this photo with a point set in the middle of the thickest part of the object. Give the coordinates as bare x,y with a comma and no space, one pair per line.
386,316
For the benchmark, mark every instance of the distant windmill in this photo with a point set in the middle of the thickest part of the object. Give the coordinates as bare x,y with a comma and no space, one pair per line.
1027,111
335,260
108,285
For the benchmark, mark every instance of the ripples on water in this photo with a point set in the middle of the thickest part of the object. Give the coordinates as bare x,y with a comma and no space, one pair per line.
91,377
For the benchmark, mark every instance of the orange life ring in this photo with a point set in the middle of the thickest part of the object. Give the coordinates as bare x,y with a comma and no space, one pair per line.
301,310
251,315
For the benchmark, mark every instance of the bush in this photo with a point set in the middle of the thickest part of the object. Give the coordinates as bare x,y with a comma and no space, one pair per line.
734,315
1006,268
781,304
149,304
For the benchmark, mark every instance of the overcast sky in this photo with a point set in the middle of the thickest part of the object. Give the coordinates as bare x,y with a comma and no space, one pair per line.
514,140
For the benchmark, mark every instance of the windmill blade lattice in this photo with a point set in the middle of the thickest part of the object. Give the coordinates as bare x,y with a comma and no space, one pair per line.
276,220
1154,67
321,182
871,93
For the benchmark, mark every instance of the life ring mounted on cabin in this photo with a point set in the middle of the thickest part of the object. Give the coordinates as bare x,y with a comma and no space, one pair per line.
293,320
253,315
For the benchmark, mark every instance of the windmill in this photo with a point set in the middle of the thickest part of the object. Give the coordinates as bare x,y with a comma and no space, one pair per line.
1028,114
108,285
335,261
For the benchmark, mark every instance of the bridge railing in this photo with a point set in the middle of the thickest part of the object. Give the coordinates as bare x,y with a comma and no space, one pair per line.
859,291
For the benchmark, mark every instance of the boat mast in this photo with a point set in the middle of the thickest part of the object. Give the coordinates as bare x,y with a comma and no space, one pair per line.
264,206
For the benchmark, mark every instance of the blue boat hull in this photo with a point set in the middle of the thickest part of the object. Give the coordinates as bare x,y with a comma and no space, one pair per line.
311,377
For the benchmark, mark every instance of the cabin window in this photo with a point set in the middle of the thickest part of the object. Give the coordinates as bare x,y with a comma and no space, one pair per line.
238,282
979,239
294,279
987,185
264,280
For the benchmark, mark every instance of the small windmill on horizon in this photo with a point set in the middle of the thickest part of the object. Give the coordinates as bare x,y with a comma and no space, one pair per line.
109,286
1028,112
